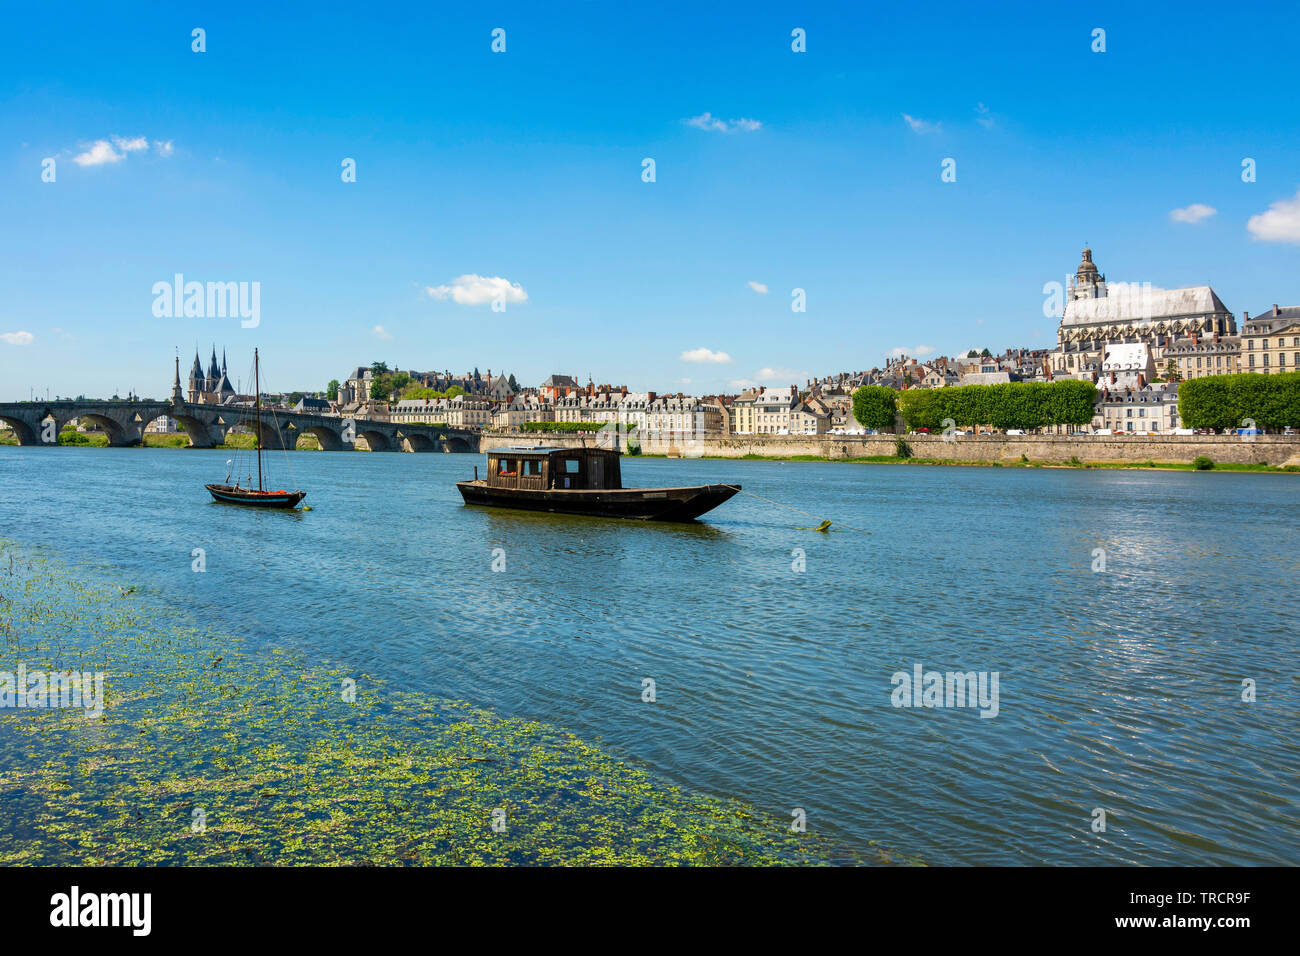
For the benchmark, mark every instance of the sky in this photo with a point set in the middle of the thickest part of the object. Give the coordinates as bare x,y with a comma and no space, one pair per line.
520,176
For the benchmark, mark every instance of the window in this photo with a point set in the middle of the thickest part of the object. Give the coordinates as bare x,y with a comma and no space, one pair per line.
572,466
533,466
505,466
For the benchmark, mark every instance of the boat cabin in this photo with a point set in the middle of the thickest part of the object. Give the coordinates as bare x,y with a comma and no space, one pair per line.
546,468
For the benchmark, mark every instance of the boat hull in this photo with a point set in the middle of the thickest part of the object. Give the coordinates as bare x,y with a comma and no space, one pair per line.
255,499
642,504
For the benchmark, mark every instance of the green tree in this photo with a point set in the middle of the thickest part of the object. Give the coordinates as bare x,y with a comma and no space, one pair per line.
332,390
512,384
874,406
379,389
1171,371
1227,401
378,368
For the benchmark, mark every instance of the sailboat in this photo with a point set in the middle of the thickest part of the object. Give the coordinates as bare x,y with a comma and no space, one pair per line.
257,497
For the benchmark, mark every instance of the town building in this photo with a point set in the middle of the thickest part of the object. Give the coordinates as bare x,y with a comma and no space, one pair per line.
1096,315
213,386
1271,341
1195,356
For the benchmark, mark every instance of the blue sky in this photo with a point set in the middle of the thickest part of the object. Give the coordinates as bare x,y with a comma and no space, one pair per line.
526,166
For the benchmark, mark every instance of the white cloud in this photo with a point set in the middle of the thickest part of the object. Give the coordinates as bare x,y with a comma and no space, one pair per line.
708,121
758,287
922,126
1193,213
705,355
915,351
1279,223
787,376
17,338
984,119
99,153
380,332
473,289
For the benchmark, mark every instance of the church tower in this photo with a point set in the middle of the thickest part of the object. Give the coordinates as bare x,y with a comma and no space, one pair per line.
197,384
1087,283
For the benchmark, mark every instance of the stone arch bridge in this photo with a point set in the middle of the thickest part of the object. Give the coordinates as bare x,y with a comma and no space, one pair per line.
39,423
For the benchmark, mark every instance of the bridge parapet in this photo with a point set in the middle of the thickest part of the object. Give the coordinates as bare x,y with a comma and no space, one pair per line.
39,423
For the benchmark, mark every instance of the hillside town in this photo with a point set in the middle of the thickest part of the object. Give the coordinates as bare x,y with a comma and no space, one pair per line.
1135,343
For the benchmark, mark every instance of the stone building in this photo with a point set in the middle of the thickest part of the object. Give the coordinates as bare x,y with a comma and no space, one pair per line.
1271,342
1196,355
213,386
1096,316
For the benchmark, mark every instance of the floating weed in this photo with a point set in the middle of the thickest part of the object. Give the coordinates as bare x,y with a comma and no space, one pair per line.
281,770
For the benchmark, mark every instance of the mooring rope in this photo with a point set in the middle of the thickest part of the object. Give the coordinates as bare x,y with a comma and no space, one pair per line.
825,526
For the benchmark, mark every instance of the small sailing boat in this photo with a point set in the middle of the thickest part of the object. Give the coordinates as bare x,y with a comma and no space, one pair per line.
257,497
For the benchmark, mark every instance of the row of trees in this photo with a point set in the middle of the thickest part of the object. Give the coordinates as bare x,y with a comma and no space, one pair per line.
1228,401
1011,405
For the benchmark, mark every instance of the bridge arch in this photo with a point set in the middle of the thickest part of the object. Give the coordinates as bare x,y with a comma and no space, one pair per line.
454,443
26,434
113,429
376,440
420,442
329,439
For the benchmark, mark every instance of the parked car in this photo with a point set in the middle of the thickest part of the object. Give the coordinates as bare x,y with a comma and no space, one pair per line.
1015,431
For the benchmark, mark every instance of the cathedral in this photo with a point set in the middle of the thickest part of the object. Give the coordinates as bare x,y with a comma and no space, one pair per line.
212,388
1096,317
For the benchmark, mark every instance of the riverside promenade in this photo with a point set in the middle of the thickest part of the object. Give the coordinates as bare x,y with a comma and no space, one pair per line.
1276,450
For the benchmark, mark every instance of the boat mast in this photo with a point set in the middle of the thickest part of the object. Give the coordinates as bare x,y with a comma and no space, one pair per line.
257,404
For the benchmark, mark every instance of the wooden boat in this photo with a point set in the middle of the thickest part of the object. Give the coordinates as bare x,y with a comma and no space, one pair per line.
255,497
235,495
582,481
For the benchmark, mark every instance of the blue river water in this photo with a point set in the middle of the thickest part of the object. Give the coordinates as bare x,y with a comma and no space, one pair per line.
772,648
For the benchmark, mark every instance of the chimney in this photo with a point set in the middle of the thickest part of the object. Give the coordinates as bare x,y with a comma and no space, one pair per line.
651,396
1275,308
1245,316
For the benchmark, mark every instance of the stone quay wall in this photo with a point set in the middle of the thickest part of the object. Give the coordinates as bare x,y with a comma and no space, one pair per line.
1099,449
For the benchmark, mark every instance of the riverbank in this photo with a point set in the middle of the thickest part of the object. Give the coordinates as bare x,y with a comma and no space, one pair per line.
207,752
1134,466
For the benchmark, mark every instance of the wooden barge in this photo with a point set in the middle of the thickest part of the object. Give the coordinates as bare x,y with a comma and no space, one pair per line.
582,481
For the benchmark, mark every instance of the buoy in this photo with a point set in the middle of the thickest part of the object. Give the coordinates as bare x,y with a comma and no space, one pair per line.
824,526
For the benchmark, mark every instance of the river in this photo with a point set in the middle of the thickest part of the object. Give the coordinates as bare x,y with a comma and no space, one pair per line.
771,647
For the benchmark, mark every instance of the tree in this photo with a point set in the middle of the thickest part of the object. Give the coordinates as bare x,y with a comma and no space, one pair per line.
378,368
1010,405
1226,401
379,389
986,354
332,390
512,384
874,406
1171,371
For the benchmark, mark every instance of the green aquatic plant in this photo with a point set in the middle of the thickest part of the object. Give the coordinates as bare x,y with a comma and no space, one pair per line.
208,752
